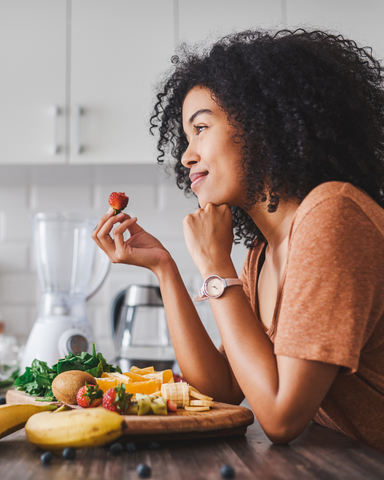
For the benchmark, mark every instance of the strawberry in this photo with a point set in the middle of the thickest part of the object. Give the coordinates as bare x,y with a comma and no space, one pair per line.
89,396
172,406
117,399
118,201
178,378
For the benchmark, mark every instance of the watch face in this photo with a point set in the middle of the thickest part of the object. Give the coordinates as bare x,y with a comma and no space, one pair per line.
214,287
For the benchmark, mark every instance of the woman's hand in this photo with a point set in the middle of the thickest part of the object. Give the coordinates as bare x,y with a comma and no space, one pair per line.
209,236
141,249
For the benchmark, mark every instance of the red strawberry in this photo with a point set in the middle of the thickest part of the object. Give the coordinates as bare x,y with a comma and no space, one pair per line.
172,406
89,396
178,378
118,201
117,399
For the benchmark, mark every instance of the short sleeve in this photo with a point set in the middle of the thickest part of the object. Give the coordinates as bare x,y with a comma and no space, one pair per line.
334,285
244,277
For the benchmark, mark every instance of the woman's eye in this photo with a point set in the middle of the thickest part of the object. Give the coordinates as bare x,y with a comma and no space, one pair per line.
199,128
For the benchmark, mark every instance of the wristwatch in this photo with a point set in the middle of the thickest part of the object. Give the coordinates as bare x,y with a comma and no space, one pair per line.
214,286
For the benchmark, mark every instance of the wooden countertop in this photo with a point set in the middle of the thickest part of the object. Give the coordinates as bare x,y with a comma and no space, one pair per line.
319,453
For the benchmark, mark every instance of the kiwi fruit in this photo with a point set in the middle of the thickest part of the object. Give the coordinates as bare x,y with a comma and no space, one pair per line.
66,385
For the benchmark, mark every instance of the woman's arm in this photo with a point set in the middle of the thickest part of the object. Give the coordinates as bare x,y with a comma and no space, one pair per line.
200,361
283,392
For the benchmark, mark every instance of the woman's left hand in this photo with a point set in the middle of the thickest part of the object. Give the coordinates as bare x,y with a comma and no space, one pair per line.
209,237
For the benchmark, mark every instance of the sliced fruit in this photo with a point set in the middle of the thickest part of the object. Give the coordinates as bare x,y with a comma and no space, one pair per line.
108,382
147,387
156,394
159,406
196,409
133,407
142,371
120,377
177,392
196,394
144,404
172,406
167,376
201,403
135,377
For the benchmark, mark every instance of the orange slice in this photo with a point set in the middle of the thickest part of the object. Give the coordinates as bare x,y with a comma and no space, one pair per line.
142,371
107,383
168,376
135,377
142,387
147,387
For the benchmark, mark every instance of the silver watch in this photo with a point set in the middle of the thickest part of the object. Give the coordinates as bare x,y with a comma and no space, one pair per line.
214,286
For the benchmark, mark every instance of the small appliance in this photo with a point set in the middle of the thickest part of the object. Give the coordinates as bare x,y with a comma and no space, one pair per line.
65,254
139,329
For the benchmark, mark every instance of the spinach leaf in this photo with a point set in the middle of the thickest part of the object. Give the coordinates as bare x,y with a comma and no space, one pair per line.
37,379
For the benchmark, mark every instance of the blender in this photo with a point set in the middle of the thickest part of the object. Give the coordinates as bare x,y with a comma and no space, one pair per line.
65,253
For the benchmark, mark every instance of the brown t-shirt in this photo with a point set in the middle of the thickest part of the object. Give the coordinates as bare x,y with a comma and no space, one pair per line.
330,306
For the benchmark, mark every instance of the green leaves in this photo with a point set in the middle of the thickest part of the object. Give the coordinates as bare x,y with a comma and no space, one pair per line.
37,379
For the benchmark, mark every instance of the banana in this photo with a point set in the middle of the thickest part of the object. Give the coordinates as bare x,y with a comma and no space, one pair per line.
90,427
196,394
176,392
201,403
14,417
196,409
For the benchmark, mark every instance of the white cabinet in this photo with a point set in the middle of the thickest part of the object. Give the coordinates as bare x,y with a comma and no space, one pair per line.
32,81
209,20
119,48
77,82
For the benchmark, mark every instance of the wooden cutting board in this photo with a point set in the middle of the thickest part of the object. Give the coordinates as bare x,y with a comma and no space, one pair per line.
221,420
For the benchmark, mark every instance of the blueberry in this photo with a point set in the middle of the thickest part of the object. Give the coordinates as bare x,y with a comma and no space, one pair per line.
2,401
116,448
46,458
69,453
143,470
130,447
153,445
227,471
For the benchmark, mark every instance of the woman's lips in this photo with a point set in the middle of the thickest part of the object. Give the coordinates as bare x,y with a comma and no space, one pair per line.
196,178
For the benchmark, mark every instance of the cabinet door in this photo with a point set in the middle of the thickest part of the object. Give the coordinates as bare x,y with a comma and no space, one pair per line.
202,21
32,81
120,49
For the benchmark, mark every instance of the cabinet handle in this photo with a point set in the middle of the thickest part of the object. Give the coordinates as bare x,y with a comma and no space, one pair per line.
80,113
56,114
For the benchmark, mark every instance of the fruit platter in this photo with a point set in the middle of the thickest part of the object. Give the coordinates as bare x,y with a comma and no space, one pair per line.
92,403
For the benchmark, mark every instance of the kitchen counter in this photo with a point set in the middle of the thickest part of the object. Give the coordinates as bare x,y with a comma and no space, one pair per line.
319,453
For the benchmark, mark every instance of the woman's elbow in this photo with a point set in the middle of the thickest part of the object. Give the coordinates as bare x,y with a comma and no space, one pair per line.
282,432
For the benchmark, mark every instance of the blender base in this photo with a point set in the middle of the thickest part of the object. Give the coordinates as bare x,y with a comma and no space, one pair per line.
53,338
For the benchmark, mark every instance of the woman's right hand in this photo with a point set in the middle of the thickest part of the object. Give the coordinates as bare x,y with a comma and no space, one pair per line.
141,249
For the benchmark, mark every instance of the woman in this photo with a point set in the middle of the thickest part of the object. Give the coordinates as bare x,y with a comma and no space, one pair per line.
280,136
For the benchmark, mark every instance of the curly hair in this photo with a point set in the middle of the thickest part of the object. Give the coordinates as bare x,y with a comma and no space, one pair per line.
307,106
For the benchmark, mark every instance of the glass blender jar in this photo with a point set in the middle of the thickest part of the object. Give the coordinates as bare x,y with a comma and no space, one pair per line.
64,252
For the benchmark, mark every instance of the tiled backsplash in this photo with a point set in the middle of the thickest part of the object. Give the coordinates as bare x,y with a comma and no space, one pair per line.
154,198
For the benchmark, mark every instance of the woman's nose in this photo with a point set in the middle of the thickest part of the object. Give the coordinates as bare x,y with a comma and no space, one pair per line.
190,157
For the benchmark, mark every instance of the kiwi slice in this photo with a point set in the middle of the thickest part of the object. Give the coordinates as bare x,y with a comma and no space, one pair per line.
144,403
133,408
159,406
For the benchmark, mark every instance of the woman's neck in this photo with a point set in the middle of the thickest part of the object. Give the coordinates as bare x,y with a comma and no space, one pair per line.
274,226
